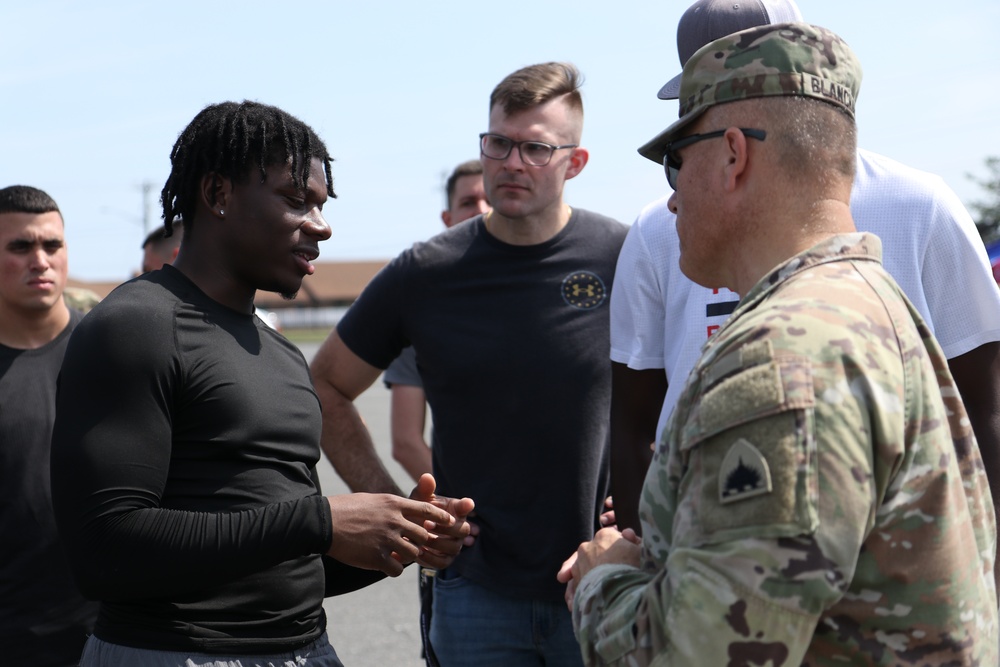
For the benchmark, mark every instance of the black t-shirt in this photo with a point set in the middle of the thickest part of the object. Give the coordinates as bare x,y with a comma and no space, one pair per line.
183,473
44,620
512,343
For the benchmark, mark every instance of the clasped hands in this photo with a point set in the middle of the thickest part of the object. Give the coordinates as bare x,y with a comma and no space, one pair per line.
383,531
609,546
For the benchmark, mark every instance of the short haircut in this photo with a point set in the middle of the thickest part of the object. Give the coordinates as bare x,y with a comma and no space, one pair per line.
470,168
230,140
537,84
156,238
26,199
815,142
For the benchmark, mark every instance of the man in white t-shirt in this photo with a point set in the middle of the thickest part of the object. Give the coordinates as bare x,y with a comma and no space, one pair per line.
660,319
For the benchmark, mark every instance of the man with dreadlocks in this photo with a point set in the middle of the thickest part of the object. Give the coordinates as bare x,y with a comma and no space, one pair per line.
184,450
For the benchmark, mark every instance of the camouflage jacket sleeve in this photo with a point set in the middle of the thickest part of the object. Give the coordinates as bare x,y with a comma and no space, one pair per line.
800,505
741,576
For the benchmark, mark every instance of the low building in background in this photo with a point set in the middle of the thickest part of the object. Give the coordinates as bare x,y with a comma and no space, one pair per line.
324,296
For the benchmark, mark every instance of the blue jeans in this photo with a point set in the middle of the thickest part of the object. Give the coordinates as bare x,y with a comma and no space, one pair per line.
99,653
475,627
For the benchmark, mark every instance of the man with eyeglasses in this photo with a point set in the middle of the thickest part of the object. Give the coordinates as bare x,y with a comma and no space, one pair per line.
818,496
507,314
660,320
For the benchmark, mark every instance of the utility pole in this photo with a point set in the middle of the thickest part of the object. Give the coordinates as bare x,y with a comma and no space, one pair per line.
147,189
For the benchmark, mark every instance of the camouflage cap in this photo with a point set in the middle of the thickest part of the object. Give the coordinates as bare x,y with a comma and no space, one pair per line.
768,60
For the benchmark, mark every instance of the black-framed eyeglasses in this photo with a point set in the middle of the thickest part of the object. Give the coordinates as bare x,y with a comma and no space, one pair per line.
672,159
534,153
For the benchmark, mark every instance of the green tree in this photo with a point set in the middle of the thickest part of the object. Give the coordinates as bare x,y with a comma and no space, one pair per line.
987,213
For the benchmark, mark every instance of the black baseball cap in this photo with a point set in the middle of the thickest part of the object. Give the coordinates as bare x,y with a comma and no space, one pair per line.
708,20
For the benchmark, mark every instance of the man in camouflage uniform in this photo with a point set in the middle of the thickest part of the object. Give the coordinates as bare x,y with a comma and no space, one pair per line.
818,497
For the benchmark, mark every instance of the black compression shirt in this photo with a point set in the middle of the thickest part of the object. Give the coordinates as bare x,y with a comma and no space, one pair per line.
183,473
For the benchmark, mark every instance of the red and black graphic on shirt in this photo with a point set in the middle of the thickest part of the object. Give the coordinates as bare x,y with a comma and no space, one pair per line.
721,309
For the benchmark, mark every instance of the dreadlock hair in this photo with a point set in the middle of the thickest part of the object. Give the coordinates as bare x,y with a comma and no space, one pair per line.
229,140
26,199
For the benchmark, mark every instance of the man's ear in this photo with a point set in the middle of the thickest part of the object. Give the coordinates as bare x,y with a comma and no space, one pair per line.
215,193
737,158
577,161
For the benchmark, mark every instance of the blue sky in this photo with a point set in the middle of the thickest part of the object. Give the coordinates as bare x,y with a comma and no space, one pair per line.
94,95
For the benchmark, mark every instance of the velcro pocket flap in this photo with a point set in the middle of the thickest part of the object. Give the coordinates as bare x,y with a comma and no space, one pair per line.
748,449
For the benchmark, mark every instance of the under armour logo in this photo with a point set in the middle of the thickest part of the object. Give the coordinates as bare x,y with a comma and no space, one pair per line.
584,290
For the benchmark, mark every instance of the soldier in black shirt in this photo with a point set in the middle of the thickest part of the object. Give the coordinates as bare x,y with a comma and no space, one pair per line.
188,431
44,620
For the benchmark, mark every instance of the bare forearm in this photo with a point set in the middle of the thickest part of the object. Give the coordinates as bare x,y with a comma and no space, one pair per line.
340,376
409,422
977,376
636,399
414,455
348,444
630,458
986,425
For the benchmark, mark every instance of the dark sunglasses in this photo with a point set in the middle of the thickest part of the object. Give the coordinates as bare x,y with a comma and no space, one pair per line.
672,159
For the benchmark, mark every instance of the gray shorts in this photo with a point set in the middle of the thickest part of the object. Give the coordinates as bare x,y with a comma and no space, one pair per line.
99,653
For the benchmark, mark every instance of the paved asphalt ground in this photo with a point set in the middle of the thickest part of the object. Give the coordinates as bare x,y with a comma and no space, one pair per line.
378,625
